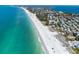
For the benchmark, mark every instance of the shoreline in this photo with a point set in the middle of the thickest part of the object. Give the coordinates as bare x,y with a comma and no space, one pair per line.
50,43
44,49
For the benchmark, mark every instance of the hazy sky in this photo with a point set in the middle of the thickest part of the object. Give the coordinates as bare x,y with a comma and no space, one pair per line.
40,2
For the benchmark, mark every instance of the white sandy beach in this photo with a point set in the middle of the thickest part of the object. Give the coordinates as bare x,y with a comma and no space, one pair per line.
50,43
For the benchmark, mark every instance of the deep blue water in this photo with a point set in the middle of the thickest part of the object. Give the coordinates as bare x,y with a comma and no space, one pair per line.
66,9
17,33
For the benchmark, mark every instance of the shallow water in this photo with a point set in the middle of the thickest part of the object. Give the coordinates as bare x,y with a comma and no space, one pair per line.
17,33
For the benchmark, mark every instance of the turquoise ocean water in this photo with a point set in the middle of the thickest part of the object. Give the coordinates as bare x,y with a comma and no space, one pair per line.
17,33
